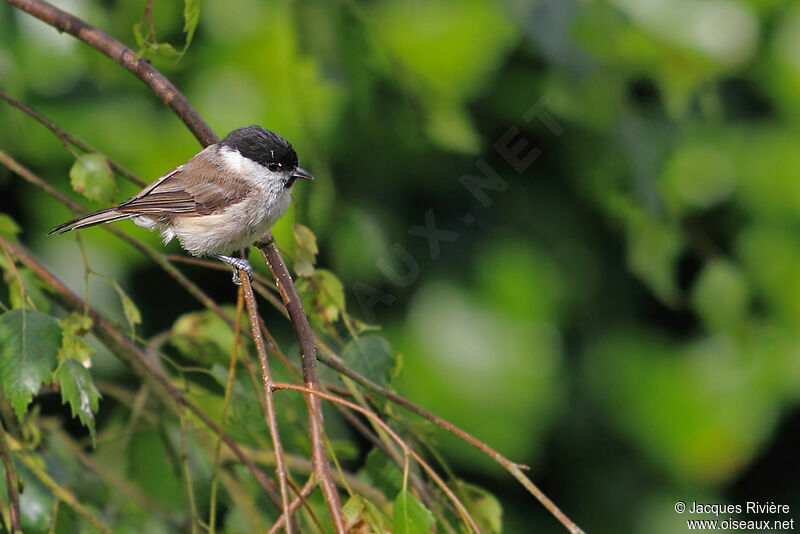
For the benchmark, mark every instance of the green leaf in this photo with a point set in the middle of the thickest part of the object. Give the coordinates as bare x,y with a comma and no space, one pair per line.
78,389
35,503
151,468
73,327
470,37
305,250
29,343
203,336
132,313
66,522
383,473
484,507
698,177
164,49
371,356
374,517
322,295
91,176
653,250
701,411
137,34
450,127
245,420
191,16
358,507
409,516
360,326
721,296
34,296
9,227
352,508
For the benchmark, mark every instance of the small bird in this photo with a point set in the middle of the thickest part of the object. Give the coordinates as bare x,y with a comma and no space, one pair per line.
221,200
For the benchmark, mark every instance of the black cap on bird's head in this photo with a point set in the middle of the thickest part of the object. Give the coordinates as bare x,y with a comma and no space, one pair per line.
266,148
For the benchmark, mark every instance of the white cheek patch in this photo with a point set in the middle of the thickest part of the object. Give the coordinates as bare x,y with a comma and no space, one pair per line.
234,161
248,169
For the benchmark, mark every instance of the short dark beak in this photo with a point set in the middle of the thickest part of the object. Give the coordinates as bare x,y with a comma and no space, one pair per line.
300,172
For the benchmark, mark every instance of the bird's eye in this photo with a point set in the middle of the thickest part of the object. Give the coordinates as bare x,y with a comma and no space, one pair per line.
273,167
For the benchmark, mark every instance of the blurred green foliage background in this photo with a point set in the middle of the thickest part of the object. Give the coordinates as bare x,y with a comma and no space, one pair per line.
623,316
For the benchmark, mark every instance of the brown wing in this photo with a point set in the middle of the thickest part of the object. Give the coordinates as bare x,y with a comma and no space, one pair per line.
198,187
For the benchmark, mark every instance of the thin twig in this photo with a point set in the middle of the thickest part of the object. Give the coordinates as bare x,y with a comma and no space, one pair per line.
309,369
276,349
406,448
302,465
330,359
308,351
326,356
67,138
305,491
334,362
12,481
172,97
266,376
137,409
54,521
251,373
17,277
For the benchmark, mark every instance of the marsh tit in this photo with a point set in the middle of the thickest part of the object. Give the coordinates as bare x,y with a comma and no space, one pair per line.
223,199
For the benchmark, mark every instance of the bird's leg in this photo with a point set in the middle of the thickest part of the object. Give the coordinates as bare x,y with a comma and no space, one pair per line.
236,263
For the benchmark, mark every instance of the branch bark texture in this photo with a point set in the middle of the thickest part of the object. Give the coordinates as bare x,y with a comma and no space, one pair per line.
308,351
169,94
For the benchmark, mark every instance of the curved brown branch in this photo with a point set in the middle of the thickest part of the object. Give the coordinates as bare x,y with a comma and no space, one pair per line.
308,352
164,89
330,359
326,355
179,104
141,68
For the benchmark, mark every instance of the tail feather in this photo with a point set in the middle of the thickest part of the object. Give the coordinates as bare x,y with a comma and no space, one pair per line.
102,216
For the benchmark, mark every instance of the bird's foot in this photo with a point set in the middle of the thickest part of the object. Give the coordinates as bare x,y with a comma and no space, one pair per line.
237,264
